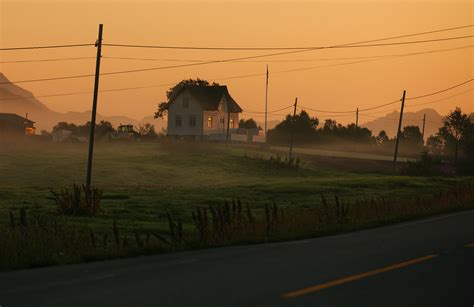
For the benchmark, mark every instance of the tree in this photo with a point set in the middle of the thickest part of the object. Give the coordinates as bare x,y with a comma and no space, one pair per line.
412,134
103,128
434,145
65,126
382,138
163,106
147,131
248,124
452,132
304,129
412,139
84,130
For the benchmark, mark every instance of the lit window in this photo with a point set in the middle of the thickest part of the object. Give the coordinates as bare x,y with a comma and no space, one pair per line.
178,121
209,122
192,121
231,124
186,102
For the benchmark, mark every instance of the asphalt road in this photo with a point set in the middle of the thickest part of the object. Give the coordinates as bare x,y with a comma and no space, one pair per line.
422,263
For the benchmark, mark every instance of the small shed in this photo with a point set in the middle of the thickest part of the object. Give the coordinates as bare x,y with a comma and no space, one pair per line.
16,125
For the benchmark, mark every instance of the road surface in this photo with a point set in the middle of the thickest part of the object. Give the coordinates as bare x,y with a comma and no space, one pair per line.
427,262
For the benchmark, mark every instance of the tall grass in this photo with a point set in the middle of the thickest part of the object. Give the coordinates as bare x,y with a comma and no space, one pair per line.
29,241
77,201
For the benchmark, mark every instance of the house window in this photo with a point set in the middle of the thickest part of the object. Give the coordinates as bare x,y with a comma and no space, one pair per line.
209,122
178,121
192,121
185,102
221,107
231,123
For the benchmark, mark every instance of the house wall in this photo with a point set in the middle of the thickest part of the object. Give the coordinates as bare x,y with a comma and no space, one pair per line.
219,120
177,108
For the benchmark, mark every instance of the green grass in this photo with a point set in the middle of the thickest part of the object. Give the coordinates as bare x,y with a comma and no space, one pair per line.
143,181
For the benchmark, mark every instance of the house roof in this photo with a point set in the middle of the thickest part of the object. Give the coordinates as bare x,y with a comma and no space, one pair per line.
15,118
209,96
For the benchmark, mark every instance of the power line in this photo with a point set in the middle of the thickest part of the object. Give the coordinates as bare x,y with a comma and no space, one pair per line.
242,58
280,48
195,64
48,79
45,47
441,91
290,60
46,60
273,111
442,99
326,111
395,119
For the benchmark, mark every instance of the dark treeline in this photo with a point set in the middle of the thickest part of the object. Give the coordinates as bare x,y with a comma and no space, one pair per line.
309,131
454,142
105,129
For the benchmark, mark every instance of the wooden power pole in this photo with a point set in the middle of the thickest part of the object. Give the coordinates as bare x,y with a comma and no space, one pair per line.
399,132
94,110
293,129
423,129
266,105
357,117
228,122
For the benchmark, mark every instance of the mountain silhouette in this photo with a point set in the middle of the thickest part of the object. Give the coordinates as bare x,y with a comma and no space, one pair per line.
389,122
12,100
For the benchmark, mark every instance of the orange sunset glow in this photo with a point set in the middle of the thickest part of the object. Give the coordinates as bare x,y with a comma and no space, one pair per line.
321,83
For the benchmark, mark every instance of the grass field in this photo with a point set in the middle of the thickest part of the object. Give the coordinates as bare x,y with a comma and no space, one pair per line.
142,182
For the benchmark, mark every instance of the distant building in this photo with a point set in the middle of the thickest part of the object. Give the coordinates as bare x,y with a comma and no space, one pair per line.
203,112
16,125
124,132
61,135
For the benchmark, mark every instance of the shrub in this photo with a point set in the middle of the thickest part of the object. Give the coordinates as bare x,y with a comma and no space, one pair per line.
78,201
426,165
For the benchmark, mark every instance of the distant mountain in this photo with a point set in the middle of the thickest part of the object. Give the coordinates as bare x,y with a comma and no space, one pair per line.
389,122
12,101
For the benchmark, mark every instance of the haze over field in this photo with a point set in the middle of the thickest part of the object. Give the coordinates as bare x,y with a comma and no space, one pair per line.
237,24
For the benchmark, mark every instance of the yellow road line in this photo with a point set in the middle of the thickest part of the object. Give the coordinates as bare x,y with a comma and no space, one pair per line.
469,245
347,279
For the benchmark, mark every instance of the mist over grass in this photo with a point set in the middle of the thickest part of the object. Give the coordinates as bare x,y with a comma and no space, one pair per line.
144,182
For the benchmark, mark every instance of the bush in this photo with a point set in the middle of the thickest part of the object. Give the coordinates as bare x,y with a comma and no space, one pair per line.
426,165
78,201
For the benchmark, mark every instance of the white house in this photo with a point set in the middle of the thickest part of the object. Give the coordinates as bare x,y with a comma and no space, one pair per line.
202,112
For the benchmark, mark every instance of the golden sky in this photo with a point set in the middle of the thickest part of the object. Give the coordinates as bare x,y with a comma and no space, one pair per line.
235,24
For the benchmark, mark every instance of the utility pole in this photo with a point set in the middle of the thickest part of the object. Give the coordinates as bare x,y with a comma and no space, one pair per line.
357,117
423,129
293,129
228,122
399,132
94,110
266,105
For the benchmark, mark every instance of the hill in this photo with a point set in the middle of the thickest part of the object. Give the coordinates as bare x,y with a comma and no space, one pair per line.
389,122
12,100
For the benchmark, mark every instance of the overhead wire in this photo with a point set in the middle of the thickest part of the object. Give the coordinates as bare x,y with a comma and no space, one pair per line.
283,48
45,47
224,60
288,60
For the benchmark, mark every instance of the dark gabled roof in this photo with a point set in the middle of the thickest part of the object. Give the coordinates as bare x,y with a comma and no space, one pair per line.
15,117
209,96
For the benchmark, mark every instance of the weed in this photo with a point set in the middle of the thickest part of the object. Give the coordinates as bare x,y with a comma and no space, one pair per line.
77,201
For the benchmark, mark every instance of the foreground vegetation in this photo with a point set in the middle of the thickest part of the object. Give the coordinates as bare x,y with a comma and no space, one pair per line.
171,196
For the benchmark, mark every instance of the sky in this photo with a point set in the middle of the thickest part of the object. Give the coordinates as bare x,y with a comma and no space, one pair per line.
243,24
